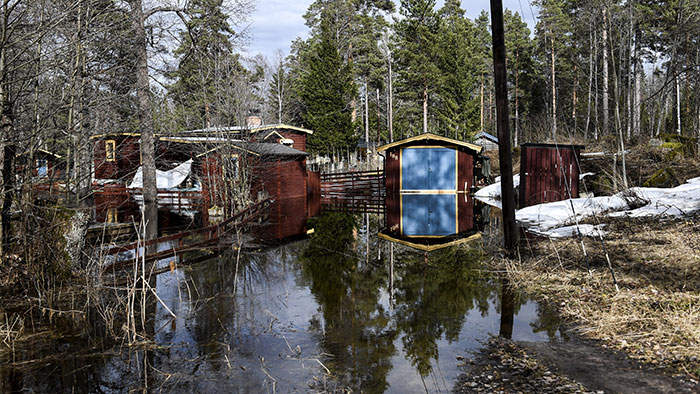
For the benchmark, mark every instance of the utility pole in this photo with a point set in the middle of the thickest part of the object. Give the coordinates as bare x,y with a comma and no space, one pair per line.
505,159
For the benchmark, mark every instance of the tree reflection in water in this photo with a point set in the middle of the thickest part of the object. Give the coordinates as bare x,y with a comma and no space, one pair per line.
432,299
356,328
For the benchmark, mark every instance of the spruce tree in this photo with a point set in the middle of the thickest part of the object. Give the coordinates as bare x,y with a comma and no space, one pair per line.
456,106
326,91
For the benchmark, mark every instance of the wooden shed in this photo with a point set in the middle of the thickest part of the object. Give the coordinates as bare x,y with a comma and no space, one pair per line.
276,169
486,140
548,172
428,185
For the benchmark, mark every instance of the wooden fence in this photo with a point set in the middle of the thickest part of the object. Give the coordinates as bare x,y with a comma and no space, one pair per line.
207,237
357,191
354,183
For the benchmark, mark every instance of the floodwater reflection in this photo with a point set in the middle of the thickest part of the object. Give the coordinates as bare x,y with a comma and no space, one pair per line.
328,313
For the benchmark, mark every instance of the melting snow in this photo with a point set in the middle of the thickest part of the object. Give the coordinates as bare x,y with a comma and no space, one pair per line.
558,219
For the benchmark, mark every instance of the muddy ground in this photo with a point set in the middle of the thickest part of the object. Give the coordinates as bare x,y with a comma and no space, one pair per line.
574,366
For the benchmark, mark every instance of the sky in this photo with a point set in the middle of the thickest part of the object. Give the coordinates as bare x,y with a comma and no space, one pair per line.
275,23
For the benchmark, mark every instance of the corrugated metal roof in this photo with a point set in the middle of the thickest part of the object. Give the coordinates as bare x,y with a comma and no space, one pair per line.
263,149
487,136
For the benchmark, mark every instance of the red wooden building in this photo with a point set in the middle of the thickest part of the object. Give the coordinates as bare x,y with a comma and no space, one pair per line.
428,186
219,159
116,156
548,172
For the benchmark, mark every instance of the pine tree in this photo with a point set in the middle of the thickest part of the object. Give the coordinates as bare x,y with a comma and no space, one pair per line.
523,76
457,108
207,65
416,57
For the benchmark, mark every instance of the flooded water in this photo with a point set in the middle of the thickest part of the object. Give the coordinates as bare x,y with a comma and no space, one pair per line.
343,310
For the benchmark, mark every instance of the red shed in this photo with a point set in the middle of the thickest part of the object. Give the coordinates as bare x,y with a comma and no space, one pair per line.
548,172
428,178
276,169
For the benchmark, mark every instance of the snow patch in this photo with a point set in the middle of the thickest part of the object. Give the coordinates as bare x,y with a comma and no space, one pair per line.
586,230
491,194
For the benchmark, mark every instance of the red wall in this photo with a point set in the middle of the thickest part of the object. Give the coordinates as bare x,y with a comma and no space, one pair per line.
465,203
127,158
210,174
545,172
298,137
392,169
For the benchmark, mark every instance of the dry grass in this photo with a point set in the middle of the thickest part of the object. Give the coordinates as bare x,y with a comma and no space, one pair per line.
656,315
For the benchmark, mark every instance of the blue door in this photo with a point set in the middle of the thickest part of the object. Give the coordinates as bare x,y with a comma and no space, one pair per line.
429,214
429,169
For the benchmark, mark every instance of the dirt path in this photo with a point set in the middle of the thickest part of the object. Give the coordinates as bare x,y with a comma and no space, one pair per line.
604,369
576,366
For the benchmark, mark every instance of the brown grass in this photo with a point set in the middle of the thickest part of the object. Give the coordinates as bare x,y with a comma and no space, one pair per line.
656,315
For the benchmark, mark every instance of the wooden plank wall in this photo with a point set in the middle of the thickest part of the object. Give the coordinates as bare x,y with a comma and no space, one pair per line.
465,202
392,171
128,158
547,172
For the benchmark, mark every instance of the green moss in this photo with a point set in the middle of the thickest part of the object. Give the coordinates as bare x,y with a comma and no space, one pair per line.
678,145
664,177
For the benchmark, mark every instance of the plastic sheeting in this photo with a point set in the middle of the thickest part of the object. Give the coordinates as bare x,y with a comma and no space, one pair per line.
165,179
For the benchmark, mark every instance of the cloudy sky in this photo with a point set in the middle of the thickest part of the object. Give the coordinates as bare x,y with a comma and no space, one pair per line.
275,23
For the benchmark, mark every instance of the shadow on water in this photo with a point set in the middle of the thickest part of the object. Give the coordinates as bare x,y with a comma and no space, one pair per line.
342,310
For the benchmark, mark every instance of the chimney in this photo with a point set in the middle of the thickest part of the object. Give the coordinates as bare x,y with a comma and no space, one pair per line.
254,121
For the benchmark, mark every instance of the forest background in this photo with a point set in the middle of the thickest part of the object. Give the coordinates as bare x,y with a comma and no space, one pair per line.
619,71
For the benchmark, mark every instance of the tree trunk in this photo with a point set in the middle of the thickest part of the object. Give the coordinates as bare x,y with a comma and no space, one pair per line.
366,119
595,81
590,86
482,102
638,79
678,105
620,135
379,120
664,110
391,106
606,76
574,99
517,110
280,91
7,138
425,107
145,114
630,71
554,94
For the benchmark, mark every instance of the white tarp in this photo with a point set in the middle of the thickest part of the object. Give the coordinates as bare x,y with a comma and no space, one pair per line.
164,179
